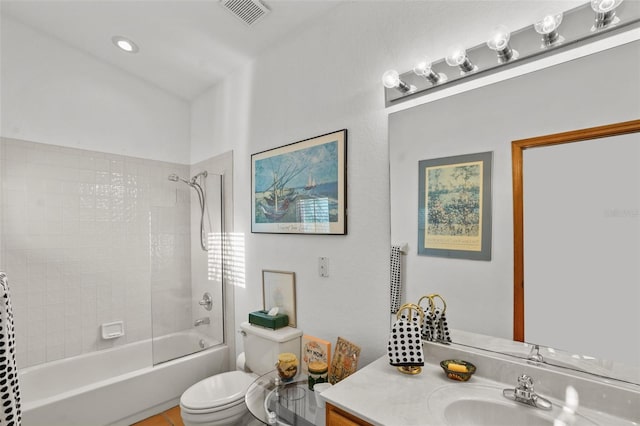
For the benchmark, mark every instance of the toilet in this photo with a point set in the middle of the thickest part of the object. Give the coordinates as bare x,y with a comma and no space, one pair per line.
219,400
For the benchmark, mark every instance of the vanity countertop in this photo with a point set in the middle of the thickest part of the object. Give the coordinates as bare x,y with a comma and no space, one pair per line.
381,395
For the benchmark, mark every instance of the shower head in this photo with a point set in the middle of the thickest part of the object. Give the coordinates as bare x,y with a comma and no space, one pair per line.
200,191
175,178
194,180
203,173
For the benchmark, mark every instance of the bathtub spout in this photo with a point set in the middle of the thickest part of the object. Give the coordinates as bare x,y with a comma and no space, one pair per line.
200,321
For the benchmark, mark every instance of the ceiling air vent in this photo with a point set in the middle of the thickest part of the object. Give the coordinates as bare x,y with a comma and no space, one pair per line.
249,11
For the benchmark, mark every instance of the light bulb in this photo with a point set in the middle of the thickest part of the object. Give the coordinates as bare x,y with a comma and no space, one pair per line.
499,38
423,68
548,24
499,42
603,6
548,28
125,44
458,57
391,80
605,13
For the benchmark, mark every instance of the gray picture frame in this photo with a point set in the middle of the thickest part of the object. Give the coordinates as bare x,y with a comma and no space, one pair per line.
454,206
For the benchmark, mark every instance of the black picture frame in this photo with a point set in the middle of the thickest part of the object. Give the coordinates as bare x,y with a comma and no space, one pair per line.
301,188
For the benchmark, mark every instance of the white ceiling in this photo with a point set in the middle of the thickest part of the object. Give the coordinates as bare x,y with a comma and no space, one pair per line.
185,46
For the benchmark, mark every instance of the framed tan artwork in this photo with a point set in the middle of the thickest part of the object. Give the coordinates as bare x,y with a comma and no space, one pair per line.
279,290
345,360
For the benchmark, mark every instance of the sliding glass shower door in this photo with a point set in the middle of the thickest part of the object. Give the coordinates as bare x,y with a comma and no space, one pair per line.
186,265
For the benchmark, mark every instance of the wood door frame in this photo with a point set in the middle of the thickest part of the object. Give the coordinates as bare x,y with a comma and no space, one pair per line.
517,148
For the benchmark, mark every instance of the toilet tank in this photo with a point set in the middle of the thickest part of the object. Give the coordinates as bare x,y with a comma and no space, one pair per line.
262,345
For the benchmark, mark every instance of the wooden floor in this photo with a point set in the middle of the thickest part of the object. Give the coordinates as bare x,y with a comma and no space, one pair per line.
170,417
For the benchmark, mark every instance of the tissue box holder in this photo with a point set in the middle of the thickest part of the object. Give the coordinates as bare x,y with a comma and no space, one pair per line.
263,319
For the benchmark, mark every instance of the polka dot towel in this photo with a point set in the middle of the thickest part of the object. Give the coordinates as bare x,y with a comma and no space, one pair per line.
405,344
396,278
10,415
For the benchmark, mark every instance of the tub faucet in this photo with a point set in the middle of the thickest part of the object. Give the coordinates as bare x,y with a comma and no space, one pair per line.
535,355
525,394
207,301
200,321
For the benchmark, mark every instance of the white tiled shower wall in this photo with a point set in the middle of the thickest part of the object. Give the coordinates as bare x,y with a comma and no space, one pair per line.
88,238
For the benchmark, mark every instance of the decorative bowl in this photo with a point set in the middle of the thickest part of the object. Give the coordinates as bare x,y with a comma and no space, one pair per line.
457,369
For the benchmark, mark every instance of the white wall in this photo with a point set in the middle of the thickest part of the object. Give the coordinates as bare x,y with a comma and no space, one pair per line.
327,78
55,94
207,124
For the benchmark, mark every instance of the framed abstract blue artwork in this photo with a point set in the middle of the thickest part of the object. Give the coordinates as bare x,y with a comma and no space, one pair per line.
301,188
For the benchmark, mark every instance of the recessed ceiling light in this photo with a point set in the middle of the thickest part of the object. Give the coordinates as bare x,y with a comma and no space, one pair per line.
125,44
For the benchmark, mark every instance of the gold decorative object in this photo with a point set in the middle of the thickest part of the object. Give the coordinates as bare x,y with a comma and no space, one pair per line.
432,304
435,328
410,369
411,307
287,366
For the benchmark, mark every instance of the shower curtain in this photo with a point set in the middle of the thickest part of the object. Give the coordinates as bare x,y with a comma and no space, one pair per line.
10,415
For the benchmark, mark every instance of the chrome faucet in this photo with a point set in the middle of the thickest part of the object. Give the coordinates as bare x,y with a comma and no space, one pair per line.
535,355
525,394
207,301
203,320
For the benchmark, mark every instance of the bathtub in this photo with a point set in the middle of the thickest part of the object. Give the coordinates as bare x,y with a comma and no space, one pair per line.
116,386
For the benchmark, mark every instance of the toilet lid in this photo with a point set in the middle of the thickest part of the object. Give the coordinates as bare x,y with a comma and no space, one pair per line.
221,389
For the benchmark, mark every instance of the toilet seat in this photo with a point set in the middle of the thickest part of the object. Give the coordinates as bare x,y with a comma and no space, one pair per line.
216,393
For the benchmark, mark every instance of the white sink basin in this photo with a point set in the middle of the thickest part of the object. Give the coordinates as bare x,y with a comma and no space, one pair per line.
480,405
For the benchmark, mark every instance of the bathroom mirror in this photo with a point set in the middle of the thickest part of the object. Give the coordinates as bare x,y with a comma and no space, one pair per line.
480,294
576,220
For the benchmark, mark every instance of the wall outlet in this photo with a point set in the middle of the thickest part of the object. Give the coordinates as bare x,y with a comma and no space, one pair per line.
323,266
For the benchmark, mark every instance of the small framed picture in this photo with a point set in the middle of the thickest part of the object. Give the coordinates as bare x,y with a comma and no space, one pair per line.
314,349
279,290
345,360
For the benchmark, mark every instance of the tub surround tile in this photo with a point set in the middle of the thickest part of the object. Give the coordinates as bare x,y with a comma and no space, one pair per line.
89,212
85,235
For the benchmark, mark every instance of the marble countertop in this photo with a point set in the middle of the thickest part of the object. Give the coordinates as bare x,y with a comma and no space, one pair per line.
381,395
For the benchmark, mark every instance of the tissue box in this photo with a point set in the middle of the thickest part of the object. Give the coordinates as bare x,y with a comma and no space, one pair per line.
262,318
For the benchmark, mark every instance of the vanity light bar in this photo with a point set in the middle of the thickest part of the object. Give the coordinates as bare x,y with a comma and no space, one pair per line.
555,31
